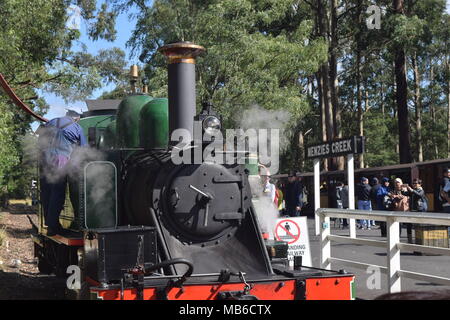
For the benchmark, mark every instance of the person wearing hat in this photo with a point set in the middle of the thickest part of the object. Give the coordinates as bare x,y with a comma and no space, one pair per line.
292,196
375,185
303,192
57,139
444,191
400,201
383,201
363,195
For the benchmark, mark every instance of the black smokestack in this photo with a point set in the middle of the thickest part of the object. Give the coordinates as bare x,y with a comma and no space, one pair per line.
181,58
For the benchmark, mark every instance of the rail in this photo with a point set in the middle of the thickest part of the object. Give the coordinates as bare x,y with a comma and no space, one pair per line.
393,245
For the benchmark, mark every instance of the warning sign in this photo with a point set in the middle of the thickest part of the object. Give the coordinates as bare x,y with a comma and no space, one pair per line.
288,231
294,231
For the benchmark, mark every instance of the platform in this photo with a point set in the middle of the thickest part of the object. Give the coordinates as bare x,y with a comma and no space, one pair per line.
435,265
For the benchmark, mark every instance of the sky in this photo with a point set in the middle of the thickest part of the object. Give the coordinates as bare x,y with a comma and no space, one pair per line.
58,106
124,29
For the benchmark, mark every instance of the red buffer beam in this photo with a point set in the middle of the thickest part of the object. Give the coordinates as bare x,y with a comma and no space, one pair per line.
10,92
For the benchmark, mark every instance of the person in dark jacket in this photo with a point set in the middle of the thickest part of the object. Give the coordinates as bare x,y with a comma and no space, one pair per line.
373,197
419,201
373,193
344,195
383,201
363,195
292,196
335,196
345,204
340,200
444,191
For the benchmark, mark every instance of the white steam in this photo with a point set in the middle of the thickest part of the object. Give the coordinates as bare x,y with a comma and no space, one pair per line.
266,210
263,132
259,118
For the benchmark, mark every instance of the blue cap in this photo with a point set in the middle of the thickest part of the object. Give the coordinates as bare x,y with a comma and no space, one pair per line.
364,179
385,180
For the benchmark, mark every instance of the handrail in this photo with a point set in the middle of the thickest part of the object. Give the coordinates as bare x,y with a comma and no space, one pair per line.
393,245
12,95
378,215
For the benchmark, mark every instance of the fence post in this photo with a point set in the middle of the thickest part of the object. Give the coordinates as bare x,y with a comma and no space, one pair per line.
351,191
393,254
325,243
317,194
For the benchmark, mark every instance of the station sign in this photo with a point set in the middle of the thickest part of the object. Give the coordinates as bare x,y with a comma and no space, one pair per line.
336,148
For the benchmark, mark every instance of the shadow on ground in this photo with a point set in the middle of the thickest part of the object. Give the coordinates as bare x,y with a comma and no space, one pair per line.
21,209
22,286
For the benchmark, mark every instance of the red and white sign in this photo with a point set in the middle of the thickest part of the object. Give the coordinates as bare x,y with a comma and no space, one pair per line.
294,231
287,230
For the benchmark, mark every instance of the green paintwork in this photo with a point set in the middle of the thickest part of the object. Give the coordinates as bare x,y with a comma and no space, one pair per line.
70,215
251,164
128,120
100,188
100,122
110,135
96,121
154,124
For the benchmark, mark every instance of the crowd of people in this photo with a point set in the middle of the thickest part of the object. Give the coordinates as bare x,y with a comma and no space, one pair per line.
383,194
387,195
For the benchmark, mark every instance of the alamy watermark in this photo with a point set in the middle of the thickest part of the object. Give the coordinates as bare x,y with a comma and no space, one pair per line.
374,20
374,280
74,17
74,280
239,145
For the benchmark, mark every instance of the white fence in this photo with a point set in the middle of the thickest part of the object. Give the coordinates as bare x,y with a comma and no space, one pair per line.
392,245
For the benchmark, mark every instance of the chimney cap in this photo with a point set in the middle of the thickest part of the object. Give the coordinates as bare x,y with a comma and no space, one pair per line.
134,71
184,51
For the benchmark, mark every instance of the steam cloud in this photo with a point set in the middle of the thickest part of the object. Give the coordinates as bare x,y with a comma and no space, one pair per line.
266,211
101,197
100,177
269,126
259,118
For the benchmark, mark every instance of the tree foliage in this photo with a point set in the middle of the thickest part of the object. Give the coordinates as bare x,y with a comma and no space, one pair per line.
245,64
35,54
317,59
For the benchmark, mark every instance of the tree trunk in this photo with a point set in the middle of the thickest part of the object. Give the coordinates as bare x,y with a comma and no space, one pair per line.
366,109
394,110
433,111
358,54
325,73
322,111
418,108
448,109
301,147
402,97
359,104
334,83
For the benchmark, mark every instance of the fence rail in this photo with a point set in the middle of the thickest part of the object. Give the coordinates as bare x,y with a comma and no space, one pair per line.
393,245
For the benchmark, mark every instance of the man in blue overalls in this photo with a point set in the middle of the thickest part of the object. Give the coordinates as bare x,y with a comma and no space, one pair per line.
57,139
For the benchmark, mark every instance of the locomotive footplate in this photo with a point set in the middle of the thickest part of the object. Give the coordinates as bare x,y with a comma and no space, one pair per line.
307,284
56,253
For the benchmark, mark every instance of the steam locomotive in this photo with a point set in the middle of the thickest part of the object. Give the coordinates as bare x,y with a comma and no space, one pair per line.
140,226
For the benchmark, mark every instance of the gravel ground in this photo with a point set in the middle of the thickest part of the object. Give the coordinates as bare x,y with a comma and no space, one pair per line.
19,275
